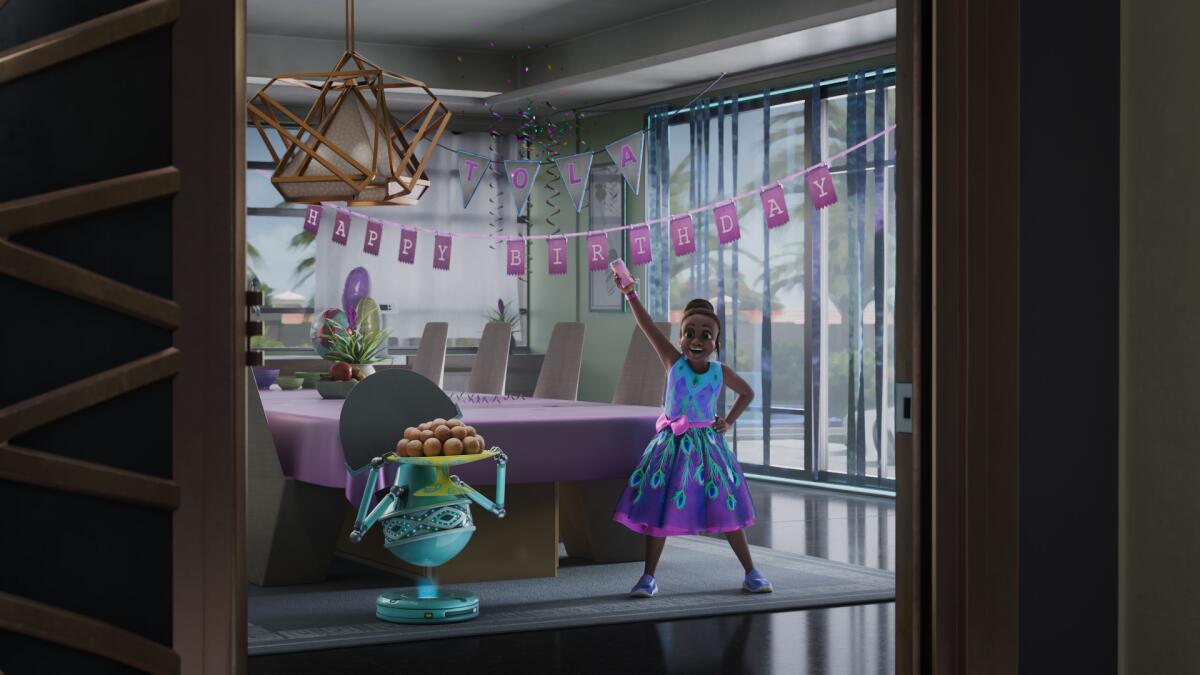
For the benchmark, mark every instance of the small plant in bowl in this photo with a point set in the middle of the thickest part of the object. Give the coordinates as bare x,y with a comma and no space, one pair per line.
353,351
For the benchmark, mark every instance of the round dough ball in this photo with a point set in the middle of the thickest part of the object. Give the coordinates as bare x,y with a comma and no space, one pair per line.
471,445
423,426
432,447
454,423
459,432
437,423
453,446
470,430
401,445
426,435
414,448
482,443
442,433
412,434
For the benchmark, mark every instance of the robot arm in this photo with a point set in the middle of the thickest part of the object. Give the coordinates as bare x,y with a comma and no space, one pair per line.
367,517
496,507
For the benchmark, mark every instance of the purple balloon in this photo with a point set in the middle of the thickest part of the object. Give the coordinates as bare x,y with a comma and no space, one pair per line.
358,286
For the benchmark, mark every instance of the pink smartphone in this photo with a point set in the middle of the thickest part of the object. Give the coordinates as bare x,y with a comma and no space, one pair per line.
618,267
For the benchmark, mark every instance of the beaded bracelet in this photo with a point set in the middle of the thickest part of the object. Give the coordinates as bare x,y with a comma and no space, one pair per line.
631,295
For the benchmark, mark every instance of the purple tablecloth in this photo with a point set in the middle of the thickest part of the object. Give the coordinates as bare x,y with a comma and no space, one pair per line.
545,440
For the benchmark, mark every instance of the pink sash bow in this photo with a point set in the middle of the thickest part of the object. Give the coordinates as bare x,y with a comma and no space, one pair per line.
679,425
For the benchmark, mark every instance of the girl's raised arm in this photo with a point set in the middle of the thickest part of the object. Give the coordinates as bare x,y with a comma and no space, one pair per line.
667,353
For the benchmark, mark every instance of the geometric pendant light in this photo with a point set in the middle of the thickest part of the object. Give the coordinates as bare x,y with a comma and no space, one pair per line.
350,147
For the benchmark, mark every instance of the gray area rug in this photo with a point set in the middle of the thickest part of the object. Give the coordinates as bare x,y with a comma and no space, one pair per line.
698,576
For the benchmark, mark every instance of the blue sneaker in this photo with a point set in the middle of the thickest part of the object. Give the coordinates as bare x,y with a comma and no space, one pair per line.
645,588
756,583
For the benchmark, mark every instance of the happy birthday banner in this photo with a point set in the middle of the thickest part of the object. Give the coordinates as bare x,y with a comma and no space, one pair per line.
575,168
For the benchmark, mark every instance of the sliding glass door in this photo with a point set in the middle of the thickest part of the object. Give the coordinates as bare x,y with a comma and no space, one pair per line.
807,306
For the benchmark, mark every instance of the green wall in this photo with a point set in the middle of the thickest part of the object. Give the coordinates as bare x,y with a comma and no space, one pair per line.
1160,338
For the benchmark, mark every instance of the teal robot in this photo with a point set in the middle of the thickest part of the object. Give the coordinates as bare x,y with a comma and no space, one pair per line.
426,513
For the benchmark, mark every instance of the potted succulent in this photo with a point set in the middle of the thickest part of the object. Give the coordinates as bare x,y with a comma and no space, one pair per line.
353,351
509,314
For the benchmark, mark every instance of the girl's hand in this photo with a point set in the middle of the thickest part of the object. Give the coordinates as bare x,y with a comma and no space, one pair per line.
617,281
719,425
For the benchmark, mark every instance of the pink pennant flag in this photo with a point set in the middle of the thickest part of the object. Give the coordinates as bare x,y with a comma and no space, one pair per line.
556,254
441,252
727,223
774,206
312,219
373,236
408,246
683,236
820,186
639,245
341,227
516,257
597,252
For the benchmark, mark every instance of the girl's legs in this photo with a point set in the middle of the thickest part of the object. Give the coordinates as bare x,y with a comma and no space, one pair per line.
654,549
737,541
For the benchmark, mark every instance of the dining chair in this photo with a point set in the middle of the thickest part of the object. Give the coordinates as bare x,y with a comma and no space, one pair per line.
559,376
430,359
642,378
490,369
291,526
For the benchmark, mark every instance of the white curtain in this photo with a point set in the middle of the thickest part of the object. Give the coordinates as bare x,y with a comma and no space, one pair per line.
417,293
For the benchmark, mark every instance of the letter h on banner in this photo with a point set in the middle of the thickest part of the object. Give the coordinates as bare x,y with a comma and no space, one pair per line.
683,236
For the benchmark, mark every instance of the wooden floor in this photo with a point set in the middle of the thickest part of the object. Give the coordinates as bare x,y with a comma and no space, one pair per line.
856,640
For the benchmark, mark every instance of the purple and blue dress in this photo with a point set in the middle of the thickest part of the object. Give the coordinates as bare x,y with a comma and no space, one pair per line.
688,480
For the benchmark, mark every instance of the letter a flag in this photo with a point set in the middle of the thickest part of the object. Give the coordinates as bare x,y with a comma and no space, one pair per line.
372,237
556,254
597,252
521,174
820,186
575,171
639,245
774,206
683,237
516,257
408,246
312,219
441,252
627,155
341,227
727,222
471,170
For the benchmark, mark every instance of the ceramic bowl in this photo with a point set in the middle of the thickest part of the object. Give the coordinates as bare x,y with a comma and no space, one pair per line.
265,377
310,378
332,389
289,383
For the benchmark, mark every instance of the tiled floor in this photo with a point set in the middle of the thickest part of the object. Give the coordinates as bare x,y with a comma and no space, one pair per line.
856,640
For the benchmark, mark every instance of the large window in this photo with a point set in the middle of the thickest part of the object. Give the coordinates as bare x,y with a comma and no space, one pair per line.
808,307
302,274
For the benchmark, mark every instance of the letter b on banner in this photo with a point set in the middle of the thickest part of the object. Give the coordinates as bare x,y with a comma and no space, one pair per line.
516,257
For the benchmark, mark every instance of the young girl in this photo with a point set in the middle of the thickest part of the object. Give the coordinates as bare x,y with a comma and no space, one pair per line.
688,480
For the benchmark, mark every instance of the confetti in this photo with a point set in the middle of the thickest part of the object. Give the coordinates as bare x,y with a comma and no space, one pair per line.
460,59
549,67
527,69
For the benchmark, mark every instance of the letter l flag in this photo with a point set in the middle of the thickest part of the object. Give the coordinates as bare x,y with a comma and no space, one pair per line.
574,171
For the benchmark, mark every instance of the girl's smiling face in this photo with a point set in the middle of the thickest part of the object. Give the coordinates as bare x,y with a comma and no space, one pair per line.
698,339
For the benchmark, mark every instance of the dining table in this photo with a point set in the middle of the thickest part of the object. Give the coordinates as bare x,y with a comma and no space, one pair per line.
567,462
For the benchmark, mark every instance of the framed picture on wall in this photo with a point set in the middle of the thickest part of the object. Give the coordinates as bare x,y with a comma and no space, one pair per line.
606,208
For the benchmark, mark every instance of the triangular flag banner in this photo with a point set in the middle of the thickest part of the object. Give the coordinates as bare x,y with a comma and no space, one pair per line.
639,245
373,236
627,155
441,252
556,254
341,227
683,237
727,222
516,257
820,186
575,171
597,246
408,246
471,170
774,206
312,219
521,174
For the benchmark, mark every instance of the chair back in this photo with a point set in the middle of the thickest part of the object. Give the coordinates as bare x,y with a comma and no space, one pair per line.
381,407
430,359
559,377
642,379
262,460
490,368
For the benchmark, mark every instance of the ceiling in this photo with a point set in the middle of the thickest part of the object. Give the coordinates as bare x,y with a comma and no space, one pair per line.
504,25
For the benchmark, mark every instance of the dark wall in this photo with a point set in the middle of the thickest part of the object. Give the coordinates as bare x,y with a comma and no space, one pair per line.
103,115
1069,251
